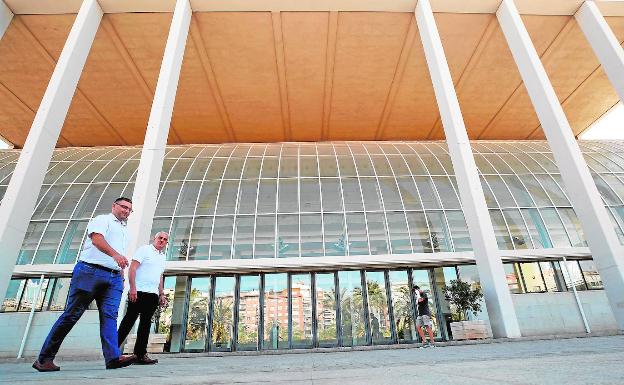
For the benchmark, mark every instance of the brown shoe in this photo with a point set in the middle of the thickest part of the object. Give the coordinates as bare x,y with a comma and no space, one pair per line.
145,360
47,366
121,362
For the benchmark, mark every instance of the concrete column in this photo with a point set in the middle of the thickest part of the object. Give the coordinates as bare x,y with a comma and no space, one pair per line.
5,18
153,153
491,273
601,237
604,43
21,194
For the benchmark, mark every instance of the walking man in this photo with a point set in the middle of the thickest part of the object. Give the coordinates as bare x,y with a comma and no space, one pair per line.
97,275
146,293
423,317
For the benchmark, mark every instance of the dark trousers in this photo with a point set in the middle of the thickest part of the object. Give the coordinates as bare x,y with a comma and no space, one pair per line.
144,307
88,283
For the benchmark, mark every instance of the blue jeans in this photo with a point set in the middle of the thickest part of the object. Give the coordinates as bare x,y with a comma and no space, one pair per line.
88,283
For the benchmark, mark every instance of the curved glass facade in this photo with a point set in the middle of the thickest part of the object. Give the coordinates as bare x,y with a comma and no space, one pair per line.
243,201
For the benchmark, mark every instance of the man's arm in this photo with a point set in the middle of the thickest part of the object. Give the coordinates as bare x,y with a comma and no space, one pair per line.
100,243
161,291
132,294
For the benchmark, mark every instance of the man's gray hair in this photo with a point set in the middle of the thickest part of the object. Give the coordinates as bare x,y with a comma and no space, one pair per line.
159,233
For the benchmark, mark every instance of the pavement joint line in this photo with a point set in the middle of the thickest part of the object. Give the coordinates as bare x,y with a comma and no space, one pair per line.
95,357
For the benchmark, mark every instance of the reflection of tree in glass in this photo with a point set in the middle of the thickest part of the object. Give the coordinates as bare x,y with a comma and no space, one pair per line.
222,321
402,312
198,306
378,307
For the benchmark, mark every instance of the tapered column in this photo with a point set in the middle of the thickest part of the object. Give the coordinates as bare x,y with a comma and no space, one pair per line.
5,18
152,155
491,273
599,232
604,43
21,194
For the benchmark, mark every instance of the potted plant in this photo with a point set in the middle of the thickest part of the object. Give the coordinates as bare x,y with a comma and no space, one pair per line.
466,298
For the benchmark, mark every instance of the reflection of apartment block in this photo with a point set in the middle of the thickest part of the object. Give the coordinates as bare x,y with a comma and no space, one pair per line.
249,310
302,308
326,315
276,306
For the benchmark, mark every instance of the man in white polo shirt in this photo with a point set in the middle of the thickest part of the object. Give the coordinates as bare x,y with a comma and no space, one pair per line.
145,294
98,275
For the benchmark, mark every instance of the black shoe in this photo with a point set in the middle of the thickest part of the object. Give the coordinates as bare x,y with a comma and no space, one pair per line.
47,366
121,362
145,360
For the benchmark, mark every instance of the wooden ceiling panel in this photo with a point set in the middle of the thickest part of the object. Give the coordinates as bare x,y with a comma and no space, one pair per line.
241,49
82,126
517,117
305,50
195,112
368,47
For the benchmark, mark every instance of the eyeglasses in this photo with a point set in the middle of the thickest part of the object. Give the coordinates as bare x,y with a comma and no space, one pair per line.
124,207
163,239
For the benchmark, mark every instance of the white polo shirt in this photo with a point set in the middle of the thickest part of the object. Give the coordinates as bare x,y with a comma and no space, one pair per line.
152,265
115,232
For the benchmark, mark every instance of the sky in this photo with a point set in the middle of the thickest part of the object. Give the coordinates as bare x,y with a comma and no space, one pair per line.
609,126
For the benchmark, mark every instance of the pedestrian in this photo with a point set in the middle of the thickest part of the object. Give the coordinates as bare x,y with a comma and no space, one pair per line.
145,295
98,275
423,317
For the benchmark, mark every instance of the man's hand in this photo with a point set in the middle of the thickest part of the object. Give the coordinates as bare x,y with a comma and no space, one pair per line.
163,300
122,261
132,294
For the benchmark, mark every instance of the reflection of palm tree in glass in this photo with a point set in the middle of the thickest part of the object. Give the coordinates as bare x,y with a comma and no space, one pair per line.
402,312
198,306
222,321
377,305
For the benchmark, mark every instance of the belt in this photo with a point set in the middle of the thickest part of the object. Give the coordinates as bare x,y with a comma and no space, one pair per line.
102,267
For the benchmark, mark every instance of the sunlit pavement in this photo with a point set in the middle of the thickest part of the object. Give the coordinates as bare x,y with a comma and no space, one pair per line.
596,360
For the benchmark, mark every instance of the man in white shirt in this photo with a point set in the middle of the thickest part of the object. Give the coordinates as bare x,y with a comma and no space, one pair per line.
145,294
98,275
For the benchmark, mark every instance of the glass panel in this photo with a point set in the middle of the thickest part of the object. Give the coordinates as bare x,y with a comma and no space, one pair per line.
519,233
167,199
335,242
532,277
301,297
243,245
266,195
541,239
364,165
557,196
415,164
252,168
352,195
179,247
188,198
247,200
537,192
518,191
308,166
310,195
89,200
67,204
378,311
234,169
399,236
195,338
411,199
390,193
553,277
503,196
311,235
126,171
46,205
446,192
223,314
574,277
371,194
13,295
555,228
287,236
215,171
58,297
180,169
198,169
112,192
356,228
227,197
265,237
377,233
49,243
573,226
207,198
346,165
72,172
512,275
248,313
326,309
221,245
275,311
440,238
427,194
605,191
419,231
31,240
459,230
327,166
402,306
434,167
288,195
590,272
500,230
30,293
164,315
351,309
332,196
398,165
